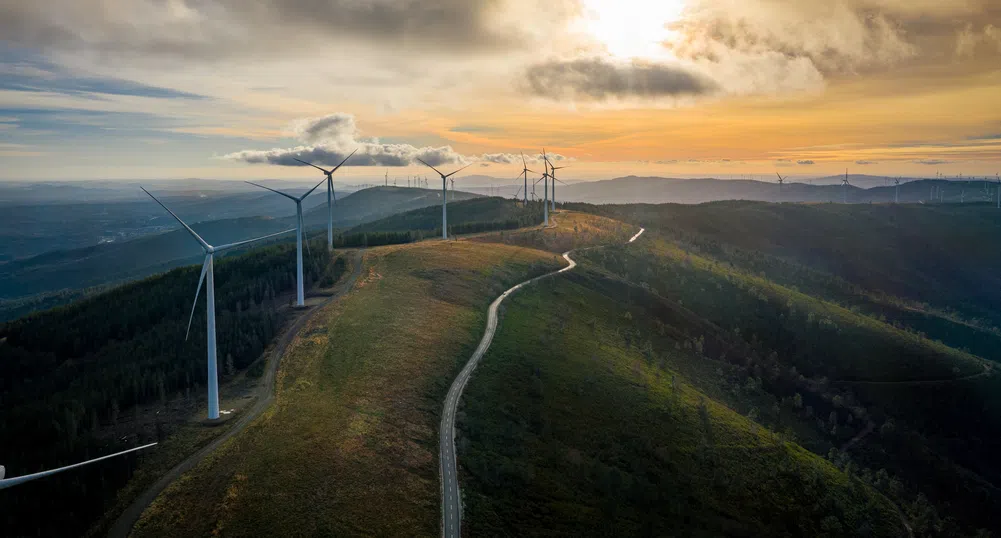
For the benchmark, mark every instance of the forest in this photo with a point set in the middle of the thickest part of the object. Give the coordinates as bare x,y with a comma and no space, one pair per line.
74,375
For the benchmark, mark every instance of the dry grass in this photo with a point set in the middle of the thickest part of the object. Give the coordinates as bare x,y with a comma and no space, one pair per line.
571,230
350,445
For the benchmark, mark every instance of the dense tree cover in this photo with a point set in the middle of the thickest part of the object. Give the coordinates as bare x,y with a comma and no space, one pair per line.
71,375
916,418
580,423
940,255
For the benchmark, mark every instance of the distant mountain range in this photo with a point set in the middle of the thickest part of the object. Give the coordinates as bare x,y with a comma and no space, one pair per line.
654,190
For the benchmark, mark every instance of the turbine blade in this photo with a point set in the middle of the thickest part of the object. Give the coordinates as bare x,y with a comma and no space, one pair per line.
342,163
289,196
524,164
310,191
560,180
15,480
311,164
459,170
305,239
240,243
431,167
197,237
201,279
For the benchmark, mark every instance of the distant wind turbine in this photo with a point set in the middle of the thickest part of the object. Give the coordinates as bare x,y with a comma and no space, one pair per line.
782,181
845,185
896,194
330,193
299,294
444,196
208,270
525,171
15,480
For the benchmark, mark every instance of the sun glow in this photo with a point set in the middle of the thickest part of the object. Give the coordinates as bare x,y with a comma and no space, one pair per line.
632,28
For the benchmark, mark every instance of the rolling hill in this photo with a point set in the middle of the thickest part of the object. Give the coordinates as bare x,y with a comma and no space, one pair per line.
56,277
632,190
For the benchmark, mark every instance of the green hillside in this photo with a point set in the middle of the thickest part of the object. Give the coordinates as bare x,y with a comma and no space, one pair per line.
378,202
74,378
464,217
579,423
892,402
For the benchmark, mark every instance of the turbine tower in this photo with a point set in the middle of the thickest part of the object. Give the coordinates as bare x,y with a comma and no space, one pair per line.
845,185
525,171
896,194
299,294
552,174
545,189
444,196
330,193
15,480
208,271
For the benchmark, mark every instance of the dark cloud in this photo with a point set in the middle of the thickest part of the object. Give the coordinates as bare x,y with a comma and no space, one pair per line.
864,163
225,28
805,163
932,162
599,79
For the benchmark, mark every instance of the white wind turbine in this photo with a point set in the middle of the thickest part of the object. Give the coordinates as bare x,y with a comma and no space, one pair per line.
552,175
330,193
444,196
525,171
299,294
545,189
15,480
844,187
208,270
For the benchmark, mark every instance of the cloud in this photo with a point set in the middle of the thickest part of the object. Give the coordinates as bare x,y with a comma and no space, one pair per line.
601,79
805,163
501,158
327,140
932,162
783,162
229,28
865,163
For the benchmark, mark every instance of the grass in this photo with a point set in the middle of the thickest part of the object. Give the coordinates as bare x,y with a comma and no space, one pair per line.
795,360
571,428
568,230
350,444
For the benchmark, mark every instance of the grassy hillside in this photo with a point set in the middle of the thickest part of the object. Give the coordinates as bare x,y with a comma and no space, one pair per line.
350,445
891,403
576,425
464,217
61,276
376,203
74,379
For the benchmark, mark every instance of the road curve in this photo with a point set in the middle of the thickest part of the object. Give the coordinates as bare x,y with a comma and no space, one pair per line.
265,394
448,470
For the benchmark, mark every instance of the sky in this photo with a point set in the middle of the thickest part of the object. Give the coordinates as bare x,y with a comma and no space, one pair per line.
229,89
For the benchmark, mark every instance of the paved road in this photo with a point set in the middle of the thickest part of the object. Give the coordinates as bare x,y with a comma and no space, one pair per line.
451,500
265,394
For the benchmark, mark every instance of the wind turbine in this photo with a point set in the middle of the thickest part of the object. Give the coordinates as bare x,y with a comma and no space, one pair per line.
208,269
782,181
552,174
300,296
525,171
545,190
444,196
896,195
330,193
15,480
845,185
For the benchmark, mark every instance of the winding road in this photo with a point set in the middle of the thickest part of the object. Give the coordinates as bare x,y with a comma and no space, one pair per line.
265,395
451,500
